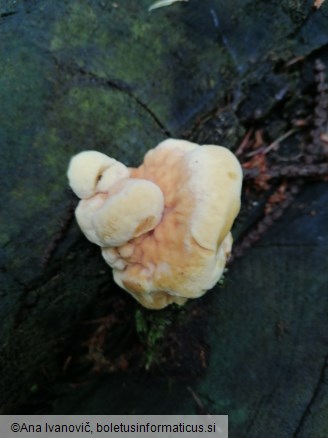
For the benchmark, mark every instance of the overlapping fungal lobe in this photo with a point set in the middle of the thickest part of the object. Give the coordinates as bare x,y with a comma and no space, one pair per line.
163,227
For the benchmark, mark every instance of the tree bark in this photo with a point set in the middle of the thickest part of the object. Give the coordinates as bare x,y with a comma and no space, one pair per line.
112,77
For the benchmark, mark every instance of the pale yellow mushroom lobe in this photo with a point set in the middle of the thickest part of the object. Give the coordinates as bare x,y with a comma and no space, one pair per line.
164,227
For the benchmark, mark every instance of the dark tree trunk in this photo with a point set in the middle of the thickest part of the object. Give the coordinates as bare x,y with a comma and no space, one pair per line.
112,77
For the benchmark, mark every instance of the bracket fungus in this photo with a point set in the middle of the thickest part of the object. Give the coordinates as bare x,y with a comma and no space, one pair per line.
163,227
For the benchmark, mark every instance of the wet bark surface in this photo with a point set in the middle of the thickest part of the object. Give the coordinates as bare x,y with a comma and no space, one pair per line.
112,77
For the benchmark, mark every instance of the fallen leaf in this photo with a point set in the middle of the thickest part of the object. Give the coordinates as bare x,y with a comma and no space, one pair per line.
162,3
318,3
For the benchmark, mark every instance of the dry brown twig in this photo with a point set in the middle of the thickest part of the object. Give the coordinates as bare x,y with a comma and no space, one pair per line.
259,174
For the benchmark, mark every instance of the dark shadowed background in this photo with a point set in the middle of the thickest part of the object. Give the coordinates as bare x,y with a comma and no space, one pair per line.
111,76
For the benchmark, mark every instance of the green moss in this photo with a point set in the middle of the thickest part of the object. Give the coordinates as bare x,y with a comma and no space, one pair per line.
34,388
105,119
151,330
140,49
76,27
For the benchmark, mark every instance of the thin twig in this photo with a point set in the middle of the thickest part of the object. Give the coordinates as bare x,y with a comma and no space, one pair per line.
290,171
273,145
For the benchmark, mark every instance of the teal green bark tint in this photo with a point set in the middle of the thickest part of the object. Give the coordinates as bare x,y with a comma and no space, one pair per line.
140,50
110,76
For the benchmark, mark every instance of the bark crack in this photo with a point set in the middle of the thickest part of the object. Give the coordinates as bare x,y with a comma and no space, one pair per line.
116,84
307,411
255,415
